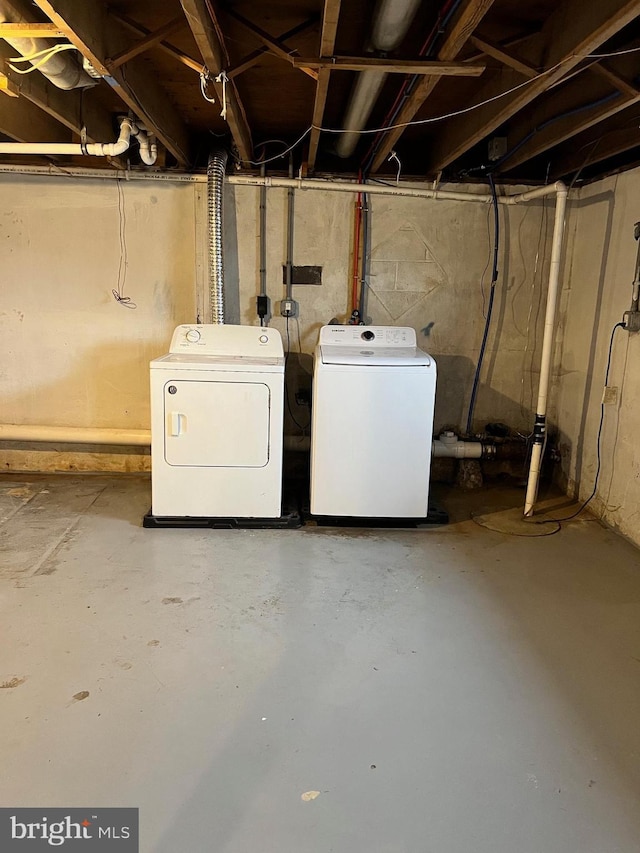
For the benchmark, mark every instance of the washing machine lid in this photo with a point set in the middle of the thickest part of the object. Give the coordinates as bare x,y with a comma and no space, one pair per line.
375,356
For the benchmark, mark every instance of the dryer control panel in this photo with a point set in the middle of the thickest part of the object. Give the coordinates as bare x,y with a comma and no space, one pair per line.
369,336
227,340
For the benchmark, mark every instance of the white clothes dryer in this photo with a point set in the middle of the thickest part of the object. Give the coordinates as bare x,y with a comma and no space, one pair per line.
216,423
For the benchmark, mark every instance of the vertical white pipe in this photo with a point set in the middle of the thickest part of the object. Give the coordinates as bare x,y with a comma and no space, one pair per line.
539,430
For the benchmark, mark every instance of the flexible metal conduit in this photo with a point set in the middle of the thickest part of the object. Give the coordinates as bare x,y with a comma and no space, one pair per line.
215,185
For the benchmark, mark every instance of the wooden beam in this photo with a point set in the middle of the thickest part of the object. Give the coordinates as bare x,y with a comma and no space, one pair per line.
330,18
97,37
22,121
464,24
504,56
28,31
566,112
7,87
274,45
255,56
507,43
147,42
391,66
610,144
169,49
208,35
567,128
75,109
620,83
572,32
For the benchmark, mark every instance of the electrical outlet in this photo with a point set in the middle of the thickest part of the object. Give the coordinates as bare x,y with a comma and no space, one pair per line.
632,321
288,308
610,396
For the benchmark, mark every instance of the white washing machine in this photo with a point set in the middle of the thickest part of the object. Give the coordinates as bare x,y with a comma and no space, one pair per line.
217,404
373,403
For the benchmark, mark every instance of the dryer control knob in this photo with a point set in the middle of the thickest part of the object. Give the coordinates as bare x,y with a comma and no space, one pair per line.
263,339
193,336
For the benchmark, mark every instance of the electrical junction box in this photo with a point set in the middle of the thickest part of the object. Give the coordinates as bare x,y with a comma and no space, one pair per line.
497,148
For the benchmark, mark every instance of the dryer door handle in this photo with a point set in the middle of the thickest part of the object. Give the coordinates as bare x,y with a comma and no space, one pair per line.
178,423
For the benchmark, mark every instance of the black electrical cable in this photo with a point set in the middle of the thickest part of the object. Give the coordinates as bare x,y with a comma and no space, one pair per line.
584,504
492,290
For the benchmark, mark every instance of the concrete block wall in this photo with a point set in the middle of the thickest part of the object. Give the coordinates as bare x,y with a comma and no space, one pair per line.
73,356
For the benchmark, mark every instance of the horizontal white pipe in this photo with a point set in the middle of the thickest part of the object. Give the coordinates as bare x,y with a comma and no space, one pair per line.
393,190
354,187
112,149
148,147
537,192
101,174
250,180
74,435
457,449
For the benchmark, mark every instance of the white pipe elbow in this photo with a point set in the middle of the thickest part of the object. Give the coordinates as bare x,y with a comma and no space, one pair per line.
148,149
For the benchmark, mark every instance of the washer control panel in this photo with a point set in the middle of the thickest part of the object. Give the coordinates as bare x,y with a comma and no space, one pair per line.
368,336
227,340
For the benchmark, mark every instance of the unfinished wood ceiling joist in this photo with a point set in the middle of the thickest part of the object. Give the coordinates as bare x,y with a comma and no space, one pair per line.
98,37
204,24
279,72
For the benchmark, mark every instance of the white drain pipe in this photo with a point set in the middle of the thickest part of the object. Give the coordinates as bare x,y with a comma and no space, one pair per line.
540,426
128,128
449,445
74,435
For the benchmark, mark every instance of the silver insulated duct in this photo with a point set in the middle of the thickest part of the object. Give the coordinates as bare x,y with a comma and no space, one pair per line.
391,22
215,184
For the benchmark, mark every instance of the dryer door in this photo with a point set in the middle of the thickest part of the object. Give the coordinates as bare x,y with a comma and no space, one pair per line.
216,424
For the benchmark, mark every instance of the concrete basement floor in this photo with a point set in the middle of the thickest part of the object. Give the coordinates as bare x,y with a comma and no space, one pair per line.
450,690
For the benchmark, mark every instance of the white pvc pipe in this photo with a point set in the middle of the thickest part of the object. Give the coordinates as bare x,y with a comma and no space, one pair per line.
393,190
112,149
74,435
148,148
539,435
353,187
457,449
